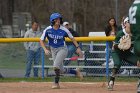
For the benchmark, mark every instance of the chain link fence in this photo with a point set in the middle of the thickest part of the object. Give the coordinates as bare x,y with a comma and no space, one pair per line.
13,61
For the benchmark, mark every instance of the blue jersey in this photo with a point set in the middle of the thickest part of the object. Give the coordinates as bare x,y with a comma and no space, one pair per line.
56,38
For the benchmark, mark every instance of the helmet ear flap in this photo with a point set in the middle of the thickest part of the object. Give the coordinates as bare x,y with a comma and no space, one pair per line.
61,21
53,22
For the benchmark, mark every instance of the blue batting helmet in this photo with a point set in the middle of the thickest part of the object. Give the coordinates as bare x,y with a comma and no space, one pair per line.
55,16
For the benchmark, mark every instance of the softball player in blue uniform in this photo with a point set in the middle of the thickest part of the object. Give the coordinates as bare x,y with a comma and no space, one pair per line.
56,34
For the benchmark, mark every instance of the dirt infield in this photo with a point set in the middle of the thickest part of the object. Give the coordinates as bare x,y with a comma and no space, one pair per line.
66,87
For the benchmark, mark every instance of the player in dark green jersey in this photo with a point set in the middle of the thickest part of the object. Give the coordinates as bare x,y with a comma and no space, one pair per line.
134,18
121,55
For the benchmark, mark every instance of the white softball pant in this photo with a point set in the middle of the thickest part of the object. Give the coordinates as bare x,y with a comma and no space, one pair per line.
58,55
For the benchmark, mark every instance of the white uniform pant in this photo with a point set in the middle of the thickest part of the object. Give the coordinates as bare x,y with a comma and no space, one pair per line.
58,55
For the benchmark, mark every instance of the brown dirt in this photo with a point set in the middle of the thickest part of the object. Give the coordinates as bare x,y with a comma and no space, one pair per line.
66,87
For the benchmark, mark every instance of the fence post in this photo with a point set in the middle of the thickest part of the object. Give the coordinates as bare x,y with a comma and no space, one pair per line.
107,60
42,60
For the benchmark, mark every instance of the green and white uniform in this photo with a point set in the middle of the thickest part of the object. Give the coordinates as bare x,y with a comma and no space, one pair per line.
120,55
134,18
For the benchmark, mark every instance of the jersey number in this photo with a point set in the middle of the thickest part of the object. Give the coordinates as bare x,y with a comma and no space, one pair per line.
55,41
132,13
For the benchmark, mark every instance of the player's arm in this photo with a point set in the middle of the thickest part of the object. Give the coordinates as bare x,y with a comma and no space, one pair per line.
127,29
120,34
117,39
42,43
69,34
75,43
78,50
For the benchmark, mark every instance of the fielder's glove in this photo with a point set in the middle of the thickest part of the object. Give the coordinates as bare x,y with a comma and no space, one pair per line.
125,43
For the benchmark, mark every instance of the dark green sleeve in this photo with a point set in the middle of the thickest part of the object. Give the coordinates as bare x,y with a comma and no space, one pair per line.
118,36
117,39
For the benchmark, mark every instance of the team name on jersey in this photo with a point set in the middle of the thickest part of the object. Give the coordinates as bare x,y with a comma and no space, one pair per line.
55,36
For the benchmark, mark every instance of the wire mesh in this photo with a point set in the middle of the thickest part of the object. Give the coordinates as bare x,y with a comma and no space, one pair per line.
13,59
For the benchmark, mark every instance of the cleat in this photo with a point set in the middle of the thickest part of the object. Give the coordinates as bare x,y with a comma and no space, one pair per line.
56,86
110,85
79,74
138,87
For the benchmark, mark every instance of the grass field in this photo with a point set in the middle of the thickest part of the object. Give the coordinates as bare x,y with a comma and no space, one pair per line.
69,79
12,56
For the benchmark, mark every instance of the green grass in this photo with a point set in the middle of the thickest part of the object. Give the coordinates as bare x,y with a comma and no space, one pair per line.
12,56
69,79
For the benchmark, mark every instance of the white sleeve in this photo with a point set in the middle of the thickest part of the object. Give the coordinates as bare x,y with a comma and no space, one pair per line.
43,36
67,31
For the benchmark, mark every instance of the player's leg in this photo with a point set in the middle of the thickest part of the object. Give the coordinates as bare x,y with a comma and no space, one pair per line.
112,78
137,52
133,59
117,63
138,86
76,72
58,56
56,70
56,78
137,49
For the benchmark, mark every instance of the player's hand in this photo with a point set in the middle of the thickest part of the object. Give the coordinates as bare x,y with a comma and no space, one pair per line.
47,52
79,52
